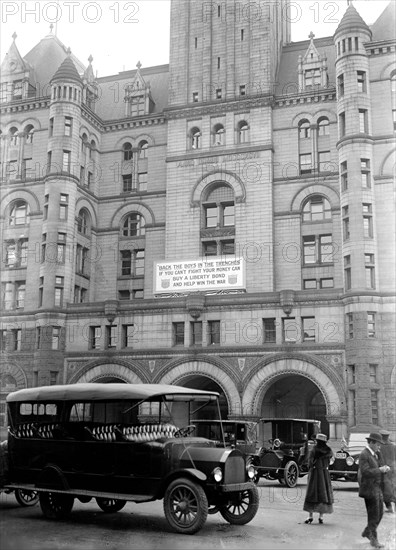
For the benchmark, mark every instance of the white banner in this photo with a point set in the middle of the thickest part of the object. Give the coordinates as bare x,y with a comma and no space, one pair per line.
196,275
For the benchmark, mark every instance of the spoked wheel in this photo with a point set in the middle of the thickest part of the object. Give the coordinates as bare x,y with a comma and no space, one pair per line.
26,498
109,505
242,507
185,506
290,475
56,505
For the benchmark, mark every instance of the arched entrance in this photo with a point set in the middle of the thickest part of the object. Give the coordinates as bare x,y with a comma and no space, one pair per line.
198,382
295,396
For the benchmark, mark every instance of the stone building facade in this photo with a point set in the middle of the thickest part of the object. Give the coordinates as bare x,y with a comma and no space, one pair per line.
222,222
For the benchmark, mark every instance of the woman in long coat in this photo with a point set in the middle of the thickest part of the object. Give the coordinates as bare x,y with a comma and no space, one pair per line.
319,496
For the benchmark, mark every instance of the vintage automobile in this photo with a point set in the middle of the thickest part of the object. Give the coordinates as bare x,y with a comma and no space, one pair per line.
345,462
126,442
289,442
238,434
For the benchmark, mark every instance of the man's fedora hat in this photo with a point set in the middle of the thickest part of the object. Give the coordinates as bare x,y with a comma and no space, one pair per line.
384,432
374,436
321,437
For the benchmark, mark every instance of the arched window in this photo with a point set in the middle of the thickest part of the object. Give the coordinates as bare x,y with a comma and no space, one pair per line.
393,98
29,133
243,132
195,138
134,226
143,148
13,133
304,129
92,148
84,140
19,214
127,151
219,135
316,208
323,126
84,222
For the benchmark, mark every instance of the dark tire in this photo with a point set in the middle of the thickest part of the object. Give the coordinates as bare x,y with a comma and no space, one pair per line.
281,480
56,505
290,474
185,506
109,505
26,498
242,507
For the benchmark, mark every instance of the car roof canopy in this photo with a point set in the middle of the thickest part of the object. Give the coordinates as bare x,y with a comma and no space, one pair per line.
100,392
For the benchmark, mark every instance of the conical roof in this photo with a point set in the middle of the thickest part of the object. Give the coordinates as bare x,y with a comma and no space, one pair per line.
384,26
67,72
351,19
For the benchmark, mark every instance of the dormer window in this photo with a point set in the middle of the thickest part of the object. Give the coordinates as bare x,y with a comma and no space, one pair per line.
17,88
312,78
312,68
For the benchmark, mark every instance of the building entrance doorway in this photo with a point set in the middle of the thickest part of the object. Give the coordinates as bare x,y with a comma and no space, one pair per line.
295,396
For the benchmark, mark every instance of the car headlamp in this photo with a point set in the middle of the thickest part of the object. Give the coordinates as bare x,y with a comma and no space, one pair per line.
251,471
349,461
218,474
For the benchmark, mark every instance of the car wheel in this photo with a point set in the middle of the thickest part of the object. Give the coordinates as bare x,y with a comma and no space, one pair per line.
26,498
109,505
185,506
56,505
290,474
242,507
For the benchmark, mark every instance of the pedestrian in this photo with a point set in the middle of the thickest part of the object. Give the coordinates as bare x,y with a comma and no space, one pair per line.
388,454
369,479
319,496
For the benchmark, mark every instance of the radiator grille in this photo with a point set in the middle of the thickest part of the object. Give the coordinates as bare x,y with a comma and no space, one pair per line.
234,470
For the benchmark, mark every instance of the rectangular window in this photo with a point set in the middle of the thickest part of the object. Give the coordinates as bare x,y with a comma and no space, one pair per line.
308,327
310,284
324,161
327,282
352,374
111,336
318,249
58,297
128,332
8,295
349,325
344,175
305,163
370,270
196,333
340,83
342,125
20,292
68,125
38,337
347,272
352,407
345,222
53,377
370,324
373,373
291,330
363,121
95,334
66,161
51,127
312,78
142,181
213,332
178,334
361,81
127,183
309,248
269,330
218,93
367,221
374,406
365,173
16,339
195,97
55,340
242,89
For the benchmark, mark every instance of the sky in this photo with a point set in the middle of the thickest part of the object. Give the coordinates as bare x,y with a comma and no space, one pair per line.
120,33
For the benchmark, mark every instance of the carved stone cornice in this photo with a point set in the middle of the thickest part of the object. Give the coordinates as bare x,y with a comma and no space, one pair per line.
219,108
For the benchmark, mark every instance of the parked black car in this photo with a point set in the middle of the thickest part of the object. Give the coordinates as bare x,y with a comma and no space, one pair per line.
284,454
345,463
23,497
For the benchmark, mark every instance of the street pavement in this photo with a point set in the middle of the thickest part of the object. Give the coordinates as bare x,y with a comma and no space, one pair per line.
279,524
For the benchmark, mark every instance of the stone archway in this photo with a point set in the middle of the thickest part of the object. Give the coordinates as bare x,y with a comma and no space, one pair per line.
316,372
180,373
106,372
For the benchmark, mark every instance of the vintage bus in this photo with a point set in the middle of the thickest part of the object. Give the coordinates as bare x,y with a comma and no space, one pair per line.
126,442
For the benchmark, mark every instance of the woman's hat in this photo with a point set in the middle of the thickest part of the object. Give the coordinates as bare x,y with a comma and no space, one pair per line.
374,436
321,437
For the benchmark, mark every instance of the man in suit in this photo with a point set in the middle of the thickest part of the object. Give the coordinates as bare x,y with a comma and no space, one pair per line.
388,453
369,478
